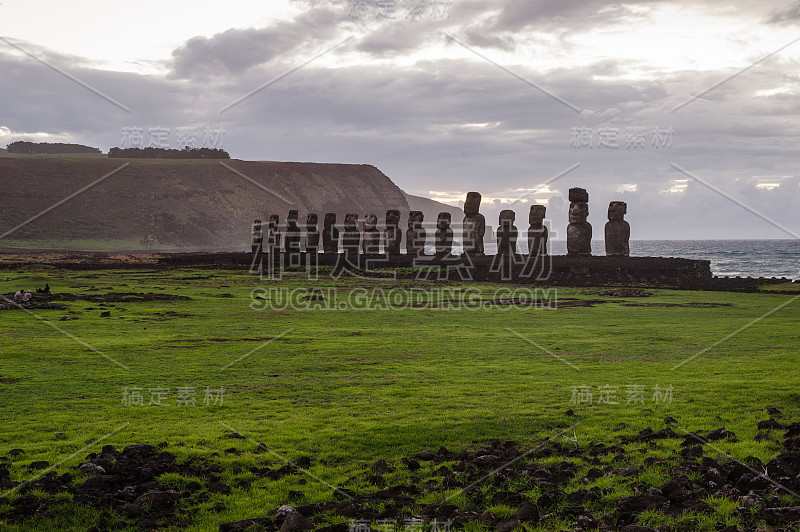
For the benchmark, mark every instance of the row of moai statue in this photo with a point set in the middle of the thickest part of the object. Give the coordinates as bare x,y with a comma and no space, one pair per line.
579,231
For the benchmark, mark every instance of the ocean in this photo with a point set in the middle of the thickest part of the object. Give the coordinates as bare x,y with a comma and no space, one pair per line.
729,258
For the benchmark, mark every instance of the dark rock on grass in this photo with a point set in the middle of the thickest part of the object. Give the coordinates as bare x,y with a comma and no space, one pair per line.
640,503
769,424
594,473
381,467
303,462
638,528
13,453
628,471
236,436
295,494
347,509
247,524
670,420
91,469
784,465
413,465
341,527
772,411
527,512
219,487
781,516
294,522
39,464
157,499
720,434
508,526
694,451
426,455
509,498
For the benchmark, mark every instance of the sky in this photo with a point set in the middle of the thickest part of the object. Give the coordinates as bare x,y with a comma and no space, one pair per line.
687,111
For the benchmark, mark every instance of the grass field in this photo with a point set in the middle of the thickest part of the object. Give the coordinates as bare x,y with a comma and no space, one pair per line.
351,386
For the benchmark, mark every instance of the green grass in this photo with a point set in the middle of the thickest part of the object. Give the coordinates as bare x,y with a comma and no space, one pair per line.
351,386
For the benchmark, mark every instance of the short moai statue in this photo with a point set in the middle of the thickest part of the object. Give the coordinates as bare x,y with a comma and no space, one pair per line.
507,233
330,234
392,234
371,239
444,234
416,234
537,232
474,225
351,239
312,234
618,231
292,238
275,239
579,230
258,237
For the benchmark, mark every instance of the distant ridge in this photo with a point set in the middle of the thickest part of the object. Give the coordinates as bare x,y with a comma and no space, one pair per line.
182,204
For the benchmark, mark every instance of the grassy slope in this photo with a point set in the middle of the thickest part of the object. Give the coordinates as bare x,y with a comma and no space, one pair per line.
349,387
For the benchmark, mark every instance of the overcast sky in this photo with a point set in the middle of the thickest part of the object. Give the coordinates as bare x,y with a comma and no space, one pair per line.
446,96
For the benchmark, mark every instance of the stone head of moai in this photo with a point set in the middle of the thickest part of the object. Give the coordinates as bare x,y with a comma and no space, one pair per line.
473,203
392,217
370,222
257,225
415,219
617,210
578,195
443,220
291,218
536,216
507,218
351,221
578,212
311,222
274,221
330,219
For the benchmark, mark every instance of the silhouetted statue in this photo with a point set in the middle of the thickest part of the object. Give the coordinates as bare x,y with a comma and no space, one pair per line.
292,239
507,233
444,235
351,239
274,242
330,234
258,237
537,232
618,231
371,239
474,224
312,234
579,230
415,235
392,234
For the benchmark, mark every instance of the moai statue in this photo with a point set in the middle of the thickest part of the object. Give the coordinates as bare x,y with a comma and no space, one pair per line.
444,235
351,237
416,235
330,234
371,240
618,231
392,233
274,242
258,237
292,238
474,224
312,234
537,232
507,233
579,231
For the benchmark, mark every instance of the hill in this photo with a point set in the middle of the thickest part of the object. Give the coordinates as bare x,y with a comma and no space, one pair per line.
186,204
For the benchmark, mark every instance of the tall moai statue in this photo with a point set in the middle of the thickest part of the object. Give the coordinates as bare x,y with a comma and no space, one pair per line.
371,239
392,234
507,233
474,224
351,237
416,234
292,238
274,242
579,230
444,235
618,231
537,232
258,237
330,234
312,234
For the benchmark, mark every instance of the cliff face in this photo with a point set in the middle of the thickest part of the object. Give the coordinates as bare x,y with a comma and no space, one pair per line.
189,204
